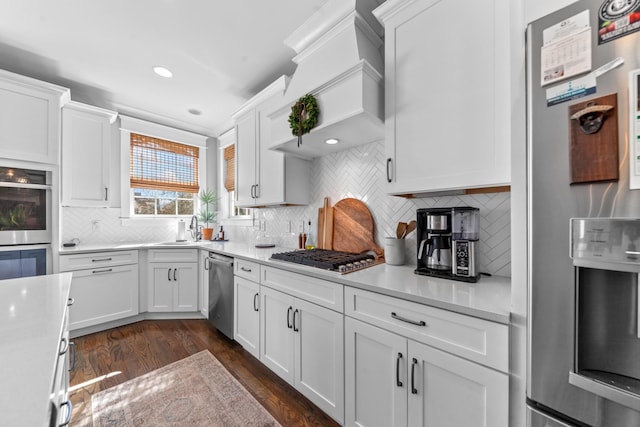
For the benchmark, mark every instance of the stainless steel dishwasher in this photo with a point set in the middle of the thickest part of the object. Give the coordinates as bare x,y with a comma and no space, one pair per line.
221,292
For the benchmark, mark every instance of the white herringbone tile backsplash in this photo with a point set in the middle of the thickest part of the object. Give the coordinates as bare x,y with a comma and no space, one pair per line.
359,173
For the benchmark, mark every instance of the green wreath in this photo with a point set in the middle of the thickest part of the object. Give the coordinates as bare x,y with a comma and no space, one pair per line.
304,116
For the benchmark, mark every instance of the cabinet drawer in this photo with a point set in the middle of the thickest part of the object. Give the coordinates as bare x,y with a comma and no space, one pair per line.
173,255
103,294
475,339
321,292
97,259
247,269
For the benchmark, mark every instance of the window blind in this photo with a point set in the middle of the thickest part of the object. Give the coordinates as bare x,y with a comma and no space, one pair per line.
230,160
158,164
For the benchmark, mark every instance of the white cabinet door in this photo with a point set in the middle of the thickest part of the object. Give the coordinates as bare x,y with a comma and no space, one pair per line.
246,300
161,289
445,390
103,294
270,166
246,159
447,103
276,332
319,356
174,287
30,118
86,154
185,293
376,376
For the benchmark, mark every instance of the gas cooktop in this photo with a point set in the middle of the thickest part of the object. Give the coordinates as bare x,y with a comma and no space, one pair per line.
342,262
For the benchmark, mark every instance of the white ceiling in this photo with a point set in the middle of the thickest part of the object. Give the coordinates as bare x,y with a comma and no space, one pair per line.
221,52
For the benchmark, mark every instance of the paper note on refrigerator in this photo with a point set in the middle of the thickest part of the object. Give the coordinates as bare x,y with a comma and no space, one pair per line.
566,57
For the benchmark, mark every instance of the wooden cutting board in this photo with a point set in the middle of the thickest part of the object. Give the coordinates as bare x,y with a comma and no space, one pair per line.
353,227
325,225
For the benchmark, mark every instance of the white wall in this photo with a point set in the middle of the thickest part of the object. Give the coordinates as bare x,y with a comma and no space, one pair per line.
535,9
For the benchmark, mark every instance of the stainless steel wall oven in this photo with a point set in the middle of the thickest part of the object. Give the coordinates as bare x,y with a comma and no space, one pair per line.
25,206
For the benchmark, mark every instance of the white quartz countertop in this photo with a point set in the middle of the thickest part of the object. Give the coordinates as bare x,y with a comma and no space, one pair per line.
31,322
489,298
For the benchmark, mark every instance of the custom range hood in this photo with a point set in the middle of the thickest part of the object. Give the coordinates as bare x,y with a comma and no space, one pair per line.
339,61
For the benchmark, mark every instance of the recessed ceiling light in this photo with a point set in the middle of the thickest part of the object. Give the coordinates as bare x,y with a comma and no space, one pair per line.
331,141
195,112
162,71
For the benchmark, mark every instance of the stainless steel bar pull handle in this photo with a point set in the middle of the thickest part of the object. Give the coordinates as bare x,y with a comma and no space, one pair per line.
398,382
255,304
101,259
289,317
414,362
247,270
404,319
169,274
175,270
388,170
108,270
70,301
106,194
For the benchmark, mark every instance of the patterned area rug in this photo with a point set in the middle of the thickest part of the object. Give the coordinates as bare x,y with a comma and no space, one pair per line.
195,391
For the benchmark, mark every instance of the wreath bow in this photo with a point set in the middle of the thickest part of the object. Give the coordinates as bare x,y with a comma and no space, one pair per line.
304,116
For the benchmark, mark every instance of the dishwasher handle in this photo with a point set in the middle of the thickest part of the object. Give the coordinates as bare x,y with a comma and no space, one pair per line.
217,259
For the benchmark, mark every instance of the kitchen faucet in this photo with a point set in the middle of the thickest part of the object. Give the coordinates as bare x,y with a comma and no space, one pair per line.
195,229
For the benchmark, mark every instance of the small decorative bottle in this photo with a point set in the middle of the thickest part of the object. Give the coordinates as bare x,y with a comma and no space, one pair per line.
311,242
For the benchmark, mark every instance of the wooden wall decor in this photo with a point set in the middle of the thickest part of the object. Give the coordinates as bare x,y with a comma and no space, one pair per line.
594,151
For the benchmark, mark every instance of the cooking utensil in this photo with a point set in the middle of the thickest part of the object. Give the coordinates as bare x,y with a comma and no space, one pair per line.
353,228
401,229
410,227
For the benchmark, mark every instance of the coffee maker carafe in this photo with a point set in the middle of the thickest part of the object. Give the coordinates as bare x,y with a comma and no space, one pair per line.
434,241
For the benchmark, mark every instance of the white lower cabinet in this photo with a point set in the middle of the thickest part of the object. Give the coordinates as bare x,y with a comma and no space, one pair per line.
104,286
304,344
174,287
173,276
246,300
392,380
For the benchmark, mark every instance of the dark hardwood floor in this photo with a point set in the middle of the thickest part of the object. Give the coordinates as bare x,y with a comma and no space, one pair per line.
136,349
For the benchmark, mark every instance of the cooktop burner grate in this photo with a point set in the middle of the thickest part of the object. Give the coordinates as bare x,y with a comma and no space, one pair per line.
342,262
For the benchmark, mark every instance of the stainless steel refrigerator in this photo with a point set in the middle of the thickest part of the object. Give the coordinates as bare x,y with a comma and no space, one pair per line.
576,58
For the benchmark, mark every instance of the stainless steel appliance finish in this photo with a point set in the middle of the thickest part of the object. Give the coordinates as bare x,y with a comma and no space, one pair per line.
607,345
465,263
221,292
552,201
25,206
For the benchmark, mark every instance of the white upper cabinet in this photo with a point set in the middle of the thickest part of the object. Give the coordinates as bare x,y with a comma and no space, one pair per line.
447,94
86,154
265,177
30,118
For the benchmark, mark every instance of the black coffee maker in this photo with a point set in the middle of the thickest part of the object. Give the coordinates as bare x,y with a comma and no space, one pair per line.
447,240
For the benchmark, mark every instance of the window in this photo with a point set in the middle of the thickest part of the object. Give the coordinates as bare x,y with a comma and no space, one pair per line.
163,176
229,156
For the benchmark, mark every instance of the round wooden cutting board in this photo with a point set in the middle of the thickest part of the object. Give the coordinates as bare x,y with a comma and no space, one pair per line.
353,227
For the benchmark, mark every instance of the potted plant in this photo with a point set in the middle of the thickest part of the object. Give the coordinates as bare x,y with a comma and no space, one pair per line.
207,215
